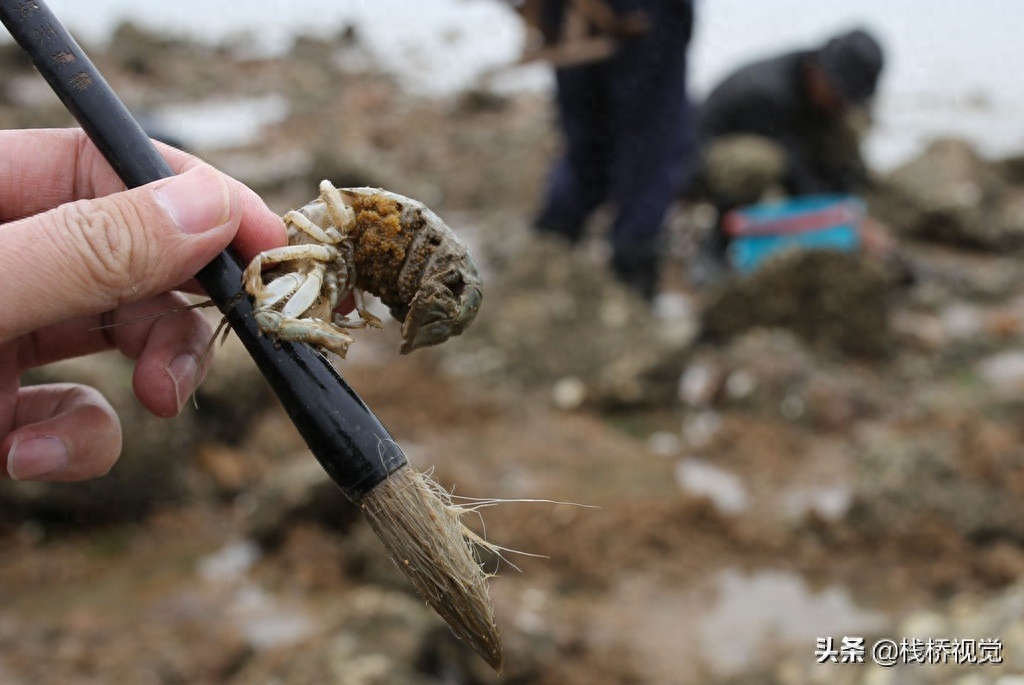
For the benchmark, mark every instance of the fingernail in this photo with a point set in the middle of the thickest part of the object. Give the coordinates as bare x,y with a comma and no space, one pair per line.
32,458
184,371
196,200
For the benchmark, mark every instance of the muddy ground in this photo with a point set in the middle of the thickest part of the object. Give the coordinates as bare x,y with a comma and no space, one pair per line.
831,448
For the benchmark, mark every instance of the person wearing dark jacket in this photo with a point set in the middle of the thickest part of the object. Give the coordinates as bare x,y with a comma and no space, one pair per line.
628,137
789,123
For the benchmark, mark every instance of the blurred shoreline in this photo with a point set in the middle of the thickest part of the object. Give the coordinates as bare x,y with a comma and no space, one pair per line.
951,69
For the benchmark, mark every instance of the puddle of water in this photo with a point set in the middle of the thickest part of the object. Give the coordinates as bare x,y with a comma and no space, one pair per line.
701,478
664,444
698,384
727,624
230,562
756,614
266,621
214,124
701,428
962,321
828,502
1003,372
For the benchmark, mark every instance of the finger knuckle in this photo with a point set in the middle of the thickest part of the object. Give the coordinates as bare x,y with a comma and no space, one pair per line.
101,235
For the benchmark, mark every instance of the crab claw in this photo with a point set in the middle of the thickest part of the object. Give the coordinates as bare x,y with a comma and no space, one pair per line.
438,311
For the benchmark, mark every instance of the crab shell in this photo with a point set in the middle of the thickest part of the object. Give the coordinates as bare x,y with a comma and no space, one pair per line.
409,258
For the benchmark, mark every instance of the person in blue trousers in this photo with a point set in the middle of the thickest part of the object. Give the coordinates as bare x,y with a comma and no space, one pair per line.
628,137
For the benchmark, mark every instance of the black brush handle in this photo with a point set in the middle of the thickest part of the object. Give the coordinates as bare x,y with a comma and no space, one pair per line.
347,439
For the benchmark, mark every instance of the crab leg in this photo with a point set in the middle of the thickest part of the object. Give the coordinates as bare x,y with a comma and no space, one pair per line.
364,313
317,333
306,295
278,289
340,212
253,276
327,236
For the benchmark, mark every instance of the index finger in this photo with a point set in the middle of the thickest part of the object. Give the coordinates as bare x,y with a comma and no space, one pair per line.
43,168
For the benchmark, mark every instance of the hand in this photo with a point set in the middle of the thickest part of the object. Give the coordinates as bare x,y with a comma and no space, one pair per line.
78,251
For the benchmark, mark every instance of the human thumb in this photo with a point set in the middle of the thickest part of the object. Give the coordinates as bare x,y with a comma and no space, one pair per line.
90,256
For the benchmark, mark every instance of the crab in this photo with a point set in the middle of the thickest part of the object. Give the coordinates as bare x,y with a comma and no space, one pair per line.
354,240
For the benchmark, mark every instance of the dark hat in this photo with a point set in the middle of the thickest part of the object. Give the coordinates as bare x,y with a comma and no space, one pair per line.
852,63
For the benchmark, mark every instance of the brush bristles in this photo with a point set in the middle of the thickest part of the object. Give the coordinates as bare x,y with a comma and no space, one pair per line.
422,533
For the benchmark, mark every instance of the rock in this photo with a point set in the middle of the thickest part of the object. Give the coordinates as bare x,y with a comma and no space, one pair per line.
1004,373
381,635
233,394
229,470
334,164
699,383
664,444
958,472
942,273
569,393
13,62
836,302
725,490
141,51
771,371
298,491
701,428
949,194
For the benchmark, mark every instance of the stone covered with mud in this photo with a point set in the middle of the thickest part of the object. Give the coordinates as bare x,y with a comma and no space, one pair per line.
836,302
950,194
